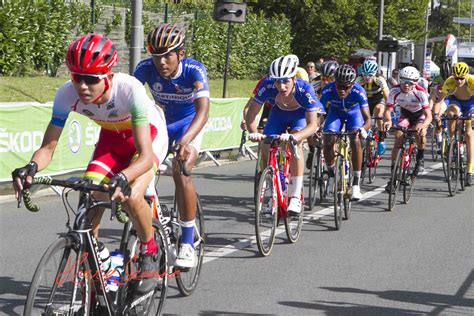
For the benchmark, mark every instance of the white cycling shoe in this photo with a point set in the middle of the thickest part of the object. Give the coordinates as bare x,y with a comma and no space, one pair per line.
356,194
294,208
186,258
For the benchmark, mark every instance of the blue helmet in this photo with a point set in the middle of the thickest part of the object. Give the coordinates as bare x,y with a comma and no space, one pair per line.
369,68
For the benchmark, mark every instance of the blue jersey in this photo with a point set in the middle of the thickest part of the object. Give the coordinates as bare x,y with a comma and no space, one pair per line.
357,98
304,95
177,94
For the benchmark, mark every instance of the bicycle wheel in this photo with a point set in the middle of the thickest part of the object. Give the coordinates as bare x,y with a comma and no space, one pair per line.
293,225
395,180
266,213
434,144
153,304
462,169
453,167
373,161
323,181
365,159
314,179
257,174
338,192
408,179
187,280
348,190
58,286
444,155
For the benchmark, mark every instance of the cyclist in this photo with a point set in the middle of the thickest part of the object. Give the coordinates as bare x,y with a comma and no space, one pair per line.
295,108
377,93
132,140
460,88
180,86
346,101
266,110
415,112
327,75
439,108
301,73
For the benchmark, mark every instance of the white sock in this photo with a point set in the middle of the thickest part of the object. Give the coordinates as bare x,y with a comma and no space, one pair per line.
439,137
295,187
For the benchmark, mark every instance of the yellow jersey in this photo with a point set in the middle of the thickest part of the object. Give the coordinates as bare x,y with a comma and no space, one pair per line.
449,86
301,73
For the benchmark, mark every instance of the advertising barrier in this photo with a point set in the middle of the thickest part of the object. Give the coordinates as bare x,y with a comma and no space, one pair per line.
22,127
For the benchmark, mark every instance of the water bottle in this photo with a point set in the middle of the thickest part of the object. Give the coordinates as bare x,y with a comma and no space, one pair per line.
104,257
116,268
282,181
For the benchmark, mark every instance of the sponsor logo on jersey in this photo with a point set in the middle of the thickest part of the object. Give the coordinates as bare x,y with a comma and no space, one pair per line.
111,105
74,136
87,112
158,87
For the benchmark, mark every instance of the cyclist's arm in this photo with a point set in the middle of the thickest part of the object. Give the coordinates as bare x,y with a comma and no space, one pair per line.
367,119
44,154
385,92
199,121
144,162
251,114
243,125
312,124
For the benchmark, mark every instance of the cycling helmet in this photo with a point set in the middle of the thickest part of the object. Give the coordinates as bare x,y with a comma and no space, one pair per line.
369,68
328,68
345,75
409,73
284,67
460,70
446,70
423,82
91,54
165,38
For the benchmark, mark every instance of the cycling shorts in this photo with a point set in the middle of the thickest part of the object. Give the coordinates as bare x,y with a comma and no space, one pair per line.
279,121
373,101
335,118
409,119
177,129
465,106
114,152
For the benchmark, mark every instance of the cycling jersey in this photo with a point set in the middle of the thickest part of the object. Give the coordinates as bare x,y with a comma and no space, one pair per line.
347,109
266,107
449,86
302,73
413,101
177,94
375,87
127,106
281,118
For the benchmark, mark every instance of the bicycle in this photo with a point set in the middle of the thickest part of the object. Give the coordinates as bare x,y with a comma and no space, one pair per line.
444,146
432,131
317,179
272,192
186,279
371,157
75,283
456,169
402,173
343,171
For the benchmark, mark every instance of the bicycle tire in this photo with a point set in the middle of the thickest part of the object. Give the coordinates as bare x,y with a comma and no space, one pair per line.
323,181
41,299
266,211
462,170
444,152
187,281
408,180
395,180
365,159
434,144
338,192
348,191
453,167
293,225
314,178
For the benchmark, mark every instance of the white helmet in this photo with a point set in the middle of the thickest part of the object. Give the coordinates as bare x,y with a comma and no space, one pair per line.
284,67
423,82
409,73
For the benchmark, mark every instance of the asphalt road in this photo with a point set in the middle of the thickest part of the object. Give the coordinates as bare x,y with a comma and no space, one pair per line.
417,259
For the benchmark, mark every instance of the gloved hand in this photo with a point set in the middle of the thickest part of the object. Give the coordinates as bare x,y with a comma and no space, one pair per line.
286,137
363,132
256,137
21,176
119,181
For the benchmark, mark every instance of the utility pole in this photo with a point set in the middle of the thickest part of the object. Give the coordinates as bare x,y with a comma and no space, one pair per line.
380,34
428,12
136,43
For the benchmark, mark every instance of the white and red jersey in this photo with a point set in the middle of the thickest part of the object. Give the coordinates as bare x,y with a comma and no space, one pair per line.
413,101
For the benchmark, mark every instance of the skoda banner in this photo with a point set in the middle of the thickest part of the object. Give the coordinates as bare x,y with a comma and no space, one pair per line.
22,127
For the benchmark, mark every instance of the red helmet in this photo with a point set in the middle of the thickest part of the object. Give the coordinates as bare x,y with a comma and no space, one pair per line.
91,54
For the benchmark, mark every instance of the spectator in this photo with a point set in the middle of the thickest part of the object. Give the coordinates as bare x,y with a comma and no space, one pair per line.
393,80
312,72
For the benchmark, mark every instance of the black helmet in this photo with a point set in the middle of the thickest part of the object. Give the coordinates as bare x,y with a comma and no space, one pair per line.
446,69
328,68
345,75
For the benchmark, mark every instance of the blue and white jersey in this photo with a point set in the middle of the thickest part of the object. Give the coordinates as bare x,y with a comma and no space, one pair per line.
303,94
357,98
177,94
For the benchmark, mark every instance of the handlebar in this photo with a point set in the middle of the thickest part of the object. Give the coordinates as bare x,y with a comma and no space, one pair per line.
76,184
404,130
269,139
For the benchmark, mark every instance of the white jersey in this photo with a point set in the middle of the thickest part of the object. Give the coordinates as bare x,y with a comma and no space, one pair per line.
413,101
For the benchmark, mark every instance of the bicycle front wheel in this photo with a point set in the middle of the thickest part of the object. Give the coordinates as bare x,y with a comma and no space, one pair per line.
395,180
314,179
453,167
338,192
348,190
444,155
266,212
59,286
373,161
408,179
434,143
293,225
187,280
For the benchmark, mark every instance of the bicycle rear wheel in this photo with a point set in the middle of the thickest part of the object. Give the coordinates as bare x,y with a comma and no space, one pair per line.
408,179
338,192
187,280
314,178
266,213
395,180
453,167
59,286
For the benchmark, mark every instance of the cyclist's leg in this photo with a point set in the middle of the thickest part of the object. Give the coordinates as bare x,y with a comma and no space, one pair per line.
333,124
420,145
379,109
354,122
402,122
454,109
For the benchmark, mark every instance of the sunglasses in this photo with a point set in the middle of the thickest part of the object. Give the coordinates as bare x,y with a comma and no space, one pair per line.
326,78
282,80
458,78
407,81
343,87
88,79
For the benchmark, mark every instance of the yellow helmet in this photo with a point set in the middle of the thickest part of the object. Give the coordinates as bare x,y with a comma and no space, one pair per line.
460,70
